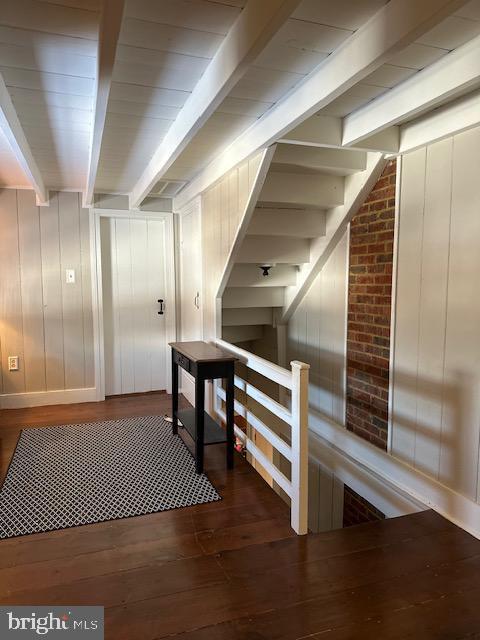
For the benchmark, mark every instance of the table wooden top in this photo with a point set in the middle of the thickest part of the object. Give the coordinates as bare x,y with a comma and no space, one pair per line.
199,351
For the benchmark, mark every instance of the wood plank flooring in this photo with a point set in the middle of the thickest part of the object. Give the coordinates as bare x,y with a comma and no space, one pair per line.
234,570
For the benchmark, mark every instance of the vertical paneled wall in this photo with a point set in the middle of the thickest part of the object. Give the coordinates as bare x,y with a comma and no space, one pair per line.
436,385
43,320
223,206
316,334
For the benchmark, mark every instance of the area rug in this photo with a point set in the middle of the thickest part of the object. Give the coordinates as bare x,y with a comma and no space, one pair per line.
77,474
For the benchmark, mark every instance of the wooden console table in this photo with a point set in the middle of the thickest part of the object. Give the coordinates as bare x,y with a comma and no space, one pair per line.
204,362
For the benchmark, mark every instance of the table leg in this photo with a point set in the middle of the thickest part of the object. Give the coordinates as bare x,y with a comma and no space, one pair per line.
229,409
174,397
199,422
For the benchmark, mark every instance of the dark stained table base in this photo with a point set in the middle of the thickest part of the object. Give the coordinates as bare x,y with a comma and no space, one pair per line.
234,570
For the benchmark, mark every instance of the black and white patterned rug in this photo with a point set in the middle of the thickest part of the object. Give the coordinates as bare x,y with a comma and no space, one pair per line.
83,473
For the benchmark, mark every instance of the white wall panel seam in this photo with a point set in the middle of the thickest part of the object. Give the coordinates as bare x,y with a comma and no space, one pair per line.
42,296
393,307
419,307
446,304
80,279
22,362
61,290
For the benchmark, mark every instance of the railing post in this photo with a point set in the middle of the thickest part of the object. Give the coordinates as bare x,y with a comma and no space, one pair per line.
299,498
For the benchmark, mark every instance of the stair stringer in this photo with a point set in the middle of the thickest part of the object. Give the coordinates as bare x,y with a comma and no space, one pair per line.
357,187
255,190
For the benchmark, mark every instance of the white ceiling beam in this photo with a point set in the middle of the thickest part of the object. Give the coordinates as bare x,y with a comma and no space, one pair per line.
390,30
453,118
110,25
13,131
449,76
252,30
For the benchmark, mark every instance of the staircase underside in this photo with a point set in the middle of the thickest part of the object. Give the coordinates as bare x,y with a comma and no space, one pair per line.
306,196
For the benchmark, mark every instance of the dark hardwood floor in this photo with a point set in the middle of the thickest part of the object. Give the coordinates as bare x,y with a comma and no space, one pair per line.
233,570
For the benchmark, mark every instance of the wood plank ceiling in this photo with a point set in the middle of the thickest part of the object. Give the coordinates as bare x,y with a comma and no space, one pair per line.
163,51
48,59
315,30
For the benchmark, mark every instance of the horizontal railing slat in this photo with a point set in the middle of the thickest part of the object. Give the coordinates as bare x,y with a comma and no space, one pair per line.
269,467
272,371
269,403
280,445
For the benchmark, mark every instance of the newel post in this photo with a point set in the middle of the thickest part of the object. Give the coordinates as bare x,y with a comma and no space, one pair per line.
299,498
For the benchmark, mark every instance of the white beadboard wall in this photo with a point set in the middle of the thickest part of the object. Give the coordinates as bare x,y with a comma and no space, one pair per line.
316,335
223,206
435,424
43,320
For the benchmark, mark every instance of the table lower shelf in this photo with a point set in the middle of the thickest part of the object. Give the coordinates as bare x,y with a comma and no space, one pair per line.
213,432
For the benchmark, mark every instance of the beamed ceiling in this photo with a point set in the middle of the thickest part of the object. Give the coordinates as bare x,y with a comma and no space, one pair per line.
147,96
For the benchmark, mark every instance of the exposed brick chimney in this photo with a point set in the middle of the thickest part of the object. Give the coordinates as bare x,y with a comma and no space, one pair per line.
369,307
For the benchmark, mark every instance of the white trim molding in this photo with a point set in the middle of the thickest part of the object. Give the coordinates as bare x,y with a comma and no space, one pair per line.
408,481
389,500
46,398
97,297
455,117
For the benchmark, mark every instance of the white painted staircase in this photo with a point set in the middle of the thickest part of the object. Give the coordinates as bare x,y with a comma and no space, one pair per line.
307,193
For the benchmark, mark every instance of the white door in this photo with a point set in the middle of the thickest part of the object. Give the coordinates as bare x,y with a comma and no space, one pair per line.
133,280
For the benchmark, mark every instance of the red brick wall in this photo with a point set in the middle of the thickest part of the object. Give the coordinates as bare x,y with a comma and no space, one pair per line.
369,304
357,510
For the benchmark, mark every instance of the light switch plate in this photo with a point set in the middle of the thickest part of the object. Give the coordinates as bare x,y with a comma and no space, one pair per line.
70,276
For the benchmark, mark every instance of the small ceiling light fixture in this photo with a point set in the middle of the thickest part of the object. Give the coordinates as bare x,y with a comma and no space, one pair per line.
265,269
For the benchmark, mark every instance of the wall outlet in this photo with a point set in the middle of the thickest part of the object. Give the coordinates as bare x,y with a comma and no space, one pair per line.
70,276
13,363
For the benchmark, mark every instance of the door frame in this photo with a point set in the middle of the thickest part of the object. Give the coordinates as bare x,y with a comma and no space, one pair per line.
97,288
194,207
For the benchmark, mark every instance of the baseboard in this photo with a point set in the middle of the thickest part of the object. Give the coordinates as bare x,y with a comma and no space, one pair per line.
381,494
399,475
43,398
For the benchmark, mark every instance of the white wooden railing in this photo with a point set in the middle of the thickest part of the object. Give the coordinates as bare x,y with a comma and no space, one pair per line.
295,445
